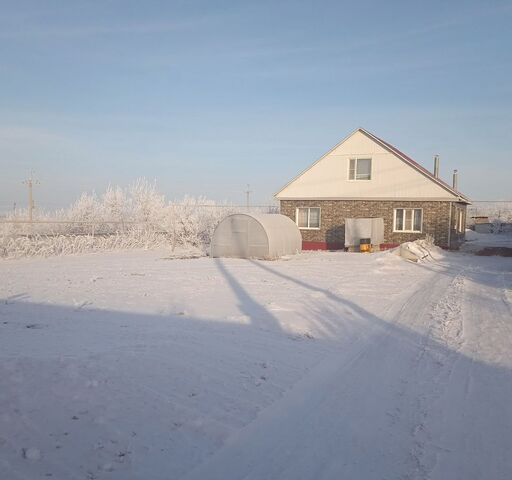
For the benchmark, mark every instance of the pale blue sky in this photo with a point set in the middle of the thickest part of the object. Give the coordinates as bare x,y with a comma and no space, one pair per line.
208,96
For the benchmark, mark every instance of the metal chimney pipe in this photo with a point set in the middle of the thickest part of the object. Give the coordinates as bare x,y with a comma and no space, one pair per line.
436,166
455,179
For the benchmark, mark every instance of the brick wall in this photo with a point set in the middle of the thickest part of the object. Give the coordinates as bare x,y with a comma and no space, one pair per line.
457,237
333,213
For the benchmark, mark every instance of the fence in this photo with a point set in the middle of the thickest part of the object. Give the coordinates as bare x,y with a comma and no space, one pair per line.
53,228
103,226
188,225
498,211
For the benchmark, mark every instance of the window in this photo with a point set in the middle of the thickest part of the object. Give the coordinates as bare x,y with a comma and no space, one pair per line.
308,218
360,169
460,225
408,220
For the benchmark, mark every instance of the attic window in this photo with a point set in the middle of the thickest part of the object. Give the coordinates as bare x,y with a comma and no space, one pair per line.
360,169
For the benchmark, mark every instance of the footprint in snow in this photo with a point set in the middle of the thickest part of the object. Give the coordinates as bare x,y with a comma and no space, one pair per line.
81,305
317,294
278,308
16,298
31,453
302,336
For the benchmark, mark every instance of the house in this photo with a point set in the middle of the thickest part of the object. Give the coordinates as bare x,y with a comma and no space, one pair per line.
365,177
481,224
484,227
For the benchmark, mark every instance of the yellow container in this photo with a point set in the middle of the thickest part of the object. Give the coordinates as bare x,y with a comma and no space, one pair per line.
365,248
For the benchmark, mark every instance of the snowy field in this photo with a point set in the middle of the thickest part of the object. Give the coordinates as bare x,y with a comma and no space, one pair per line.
131,365
476,242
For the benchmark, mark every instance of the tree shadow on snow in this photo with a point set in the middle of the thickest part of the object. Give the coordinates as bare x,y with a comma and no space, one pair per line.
152,396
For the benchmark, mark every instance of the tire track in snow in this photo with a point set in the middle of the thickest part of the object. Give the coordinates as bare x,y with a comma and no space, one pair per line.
438,354
476,421
357,402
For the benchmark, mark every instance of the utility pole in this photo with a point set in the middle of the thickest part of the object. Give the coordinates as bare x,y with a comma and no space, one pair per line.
247,194
30,182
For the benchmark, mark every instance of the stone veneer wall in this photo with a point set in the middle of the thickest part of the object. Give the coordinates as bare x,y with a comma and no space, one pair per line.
458,237
333,213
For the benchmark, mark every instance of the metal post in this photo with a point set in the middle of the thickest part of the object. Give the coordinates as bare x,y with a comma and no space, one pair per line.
30,182
247,194
30,200
450,226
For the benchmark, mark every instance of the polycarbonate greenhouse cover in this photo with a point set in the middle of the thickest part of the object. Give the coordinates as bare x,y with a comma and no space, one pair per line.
248,235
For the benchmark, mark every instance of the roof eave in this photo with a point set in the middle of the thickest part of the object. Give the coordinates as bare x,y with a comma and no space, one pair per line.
314,163
419,168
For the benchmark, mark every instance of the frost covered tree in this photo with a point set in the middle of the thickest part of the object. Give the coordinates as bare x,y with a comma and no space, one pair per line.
115,204
86,208
148,205
151,221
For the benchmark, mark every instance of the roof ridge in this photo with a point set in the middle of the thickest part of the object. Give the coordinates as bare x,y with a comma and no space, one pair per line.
413,163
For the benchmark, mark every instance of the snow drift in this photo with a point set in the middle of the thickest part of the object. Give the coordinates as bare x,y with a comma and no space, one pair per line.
419,250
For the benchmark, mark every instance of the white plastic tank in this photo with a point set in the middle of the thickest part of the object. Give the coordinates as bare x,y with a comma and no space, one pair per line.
358,228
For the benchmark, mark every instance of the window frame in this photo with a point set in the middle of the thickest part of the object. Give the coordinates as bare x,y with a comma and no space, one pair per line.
403,220
308,209
355,179
460,222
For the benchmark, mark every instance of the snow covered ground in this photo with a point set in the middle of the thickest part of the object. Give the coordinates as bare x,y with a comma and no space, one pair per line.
476,242
131,365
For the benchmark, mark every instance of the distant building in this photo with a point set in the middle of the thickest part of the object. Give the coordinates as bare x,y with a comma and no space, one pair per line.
365,177
480,219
